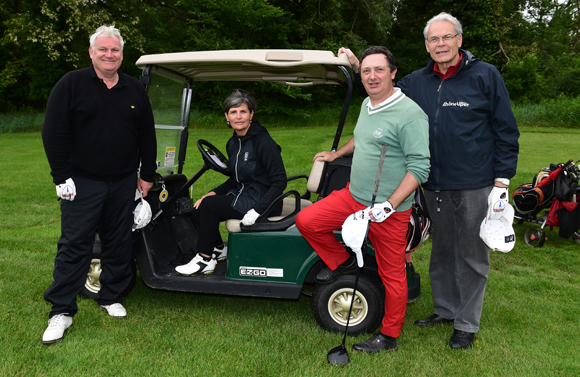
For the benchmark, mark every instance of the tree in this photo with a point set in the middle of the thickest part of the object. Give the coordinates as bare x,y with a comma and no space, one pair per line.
534,43
45,39
543,50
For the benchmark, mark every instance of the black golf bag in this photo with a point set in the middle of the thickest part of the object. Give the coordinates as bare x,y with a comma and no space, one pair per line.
418,231
558,180
531,198
420,224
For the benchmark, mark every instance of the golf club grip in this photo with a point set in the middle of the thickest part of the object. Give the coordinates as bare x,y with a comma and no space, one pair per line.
380,170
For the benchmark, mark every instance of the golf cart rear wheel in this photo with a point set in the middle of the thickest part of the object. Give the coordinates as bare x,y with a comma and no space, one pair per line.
93,281
331,302
535,236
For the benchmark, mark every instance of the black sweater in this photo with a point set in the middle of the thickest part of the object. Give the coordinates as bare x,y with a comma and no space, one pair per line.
96,132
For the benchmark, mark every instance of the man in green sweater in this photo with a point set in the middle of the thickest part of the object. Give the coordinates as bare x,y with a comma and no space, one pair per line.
388,117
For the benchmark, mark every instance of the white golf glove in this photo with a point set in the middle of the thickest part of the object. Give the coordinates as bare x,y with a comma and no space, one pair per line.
66,190
497,202
250,217
380,212
354,231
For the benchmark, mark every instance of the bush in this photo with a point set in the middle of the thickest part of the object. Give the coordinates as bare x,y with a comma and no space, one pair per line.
21,121
560,112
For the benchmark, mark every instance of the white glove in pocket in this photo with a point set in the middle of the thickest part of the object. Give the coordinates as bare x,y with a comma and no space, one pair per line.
67,190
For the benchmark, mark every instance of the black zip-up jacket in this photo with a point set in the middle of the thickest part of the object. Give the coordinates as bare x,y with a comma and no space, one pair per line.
258,173
473,135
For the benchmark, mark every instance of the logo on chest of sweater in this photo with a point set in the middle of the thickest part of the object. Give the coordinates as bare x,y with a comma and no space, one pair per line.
456,104
246,156
378,133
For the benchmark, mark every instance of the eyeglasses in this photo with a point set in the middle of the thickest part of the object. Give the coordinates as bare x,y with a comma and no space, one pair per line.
445,38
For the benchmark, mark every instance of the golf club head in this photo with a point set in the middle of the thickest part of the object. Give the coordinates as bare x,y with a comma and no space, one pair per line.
338,355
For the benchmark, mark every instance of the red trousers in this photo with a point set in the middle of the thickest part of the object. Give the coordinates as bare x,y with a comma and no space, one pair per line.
389,238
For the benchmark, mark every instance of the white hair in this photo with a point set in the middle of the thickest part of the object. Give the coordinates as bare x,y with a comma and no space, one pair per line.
106,31
444,17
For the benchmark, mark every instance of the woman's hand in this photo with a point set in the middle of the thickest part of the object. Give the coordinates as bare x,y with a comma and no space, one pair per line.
250,217
196,205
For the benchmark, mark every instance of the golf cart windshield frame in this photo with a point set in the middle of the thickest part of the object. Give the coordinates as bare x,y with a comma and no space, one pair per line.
288,67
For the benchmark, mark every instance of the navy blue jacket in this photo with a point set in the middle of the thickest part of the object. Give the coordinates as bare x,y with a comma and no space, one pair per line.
258,173
473,135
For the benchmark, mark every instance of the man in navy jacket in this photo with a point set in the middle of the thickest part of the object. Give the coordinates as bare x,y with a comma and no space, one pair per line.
473,139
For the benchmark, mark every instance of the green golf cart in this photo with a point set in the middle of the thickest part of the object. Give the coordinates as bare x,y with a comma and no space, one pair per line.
271,258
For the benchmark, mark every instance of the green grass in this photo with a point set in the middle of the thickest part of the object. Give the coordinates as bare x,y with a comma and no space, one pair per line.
529,327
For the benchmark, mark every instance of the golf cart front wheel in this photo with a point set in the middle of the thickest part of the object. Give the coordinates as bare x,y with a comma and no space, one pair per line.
331,303
93,281
535,236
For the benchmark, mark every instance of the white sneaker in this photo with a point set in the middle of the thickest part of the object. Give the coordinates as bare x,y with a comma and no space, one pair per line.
57,325
197,266
115,310
220,255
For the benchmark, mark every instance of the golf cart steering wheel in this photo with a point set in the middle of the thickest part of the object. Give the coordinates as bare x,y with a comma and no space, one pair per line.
214,159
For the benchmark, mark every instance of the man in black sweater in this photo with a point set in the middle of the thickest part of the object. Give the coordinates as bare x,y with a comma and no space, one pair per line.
98,133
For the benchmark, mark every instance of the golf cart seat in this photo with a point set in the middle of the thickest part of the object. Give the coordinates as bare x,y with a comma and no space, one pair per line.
290,206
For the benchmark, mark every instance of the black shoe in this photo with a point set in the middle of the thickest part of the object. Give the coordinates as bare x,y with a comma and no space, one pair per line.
432,320
377,343
461,340
326,275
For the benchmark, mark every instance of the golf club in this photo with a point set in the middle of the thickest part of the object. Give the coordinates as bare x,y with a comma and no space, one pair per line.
339,355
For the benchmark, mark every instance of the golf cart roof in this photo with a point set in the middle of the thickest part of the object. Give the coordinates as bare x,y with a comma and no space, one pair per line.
290,67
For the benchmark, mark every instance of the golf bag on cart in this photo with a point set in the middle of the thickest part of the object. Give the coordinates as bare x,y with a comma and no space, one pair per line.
531,198
420,225
554,188
419,231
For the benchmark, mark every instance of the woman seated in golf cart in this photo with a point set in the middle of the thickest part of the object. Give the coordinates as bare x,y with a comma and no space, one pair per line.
258,178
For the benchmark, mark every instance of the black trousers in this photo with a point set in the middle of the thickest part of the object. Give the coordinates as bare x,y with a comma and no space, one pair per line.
207,218
108,206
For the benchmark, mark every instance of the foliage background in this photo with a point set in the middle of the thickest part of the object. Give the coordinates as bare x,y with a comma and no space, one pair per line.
534,43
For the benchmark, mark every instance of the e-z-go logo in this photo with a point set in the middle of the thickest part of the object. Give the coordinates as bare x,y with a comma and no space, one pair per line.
261,272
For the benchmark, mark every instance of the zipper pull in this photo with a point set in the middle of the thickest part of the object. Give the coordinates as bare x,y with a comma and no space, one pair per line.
438,89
